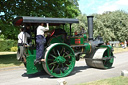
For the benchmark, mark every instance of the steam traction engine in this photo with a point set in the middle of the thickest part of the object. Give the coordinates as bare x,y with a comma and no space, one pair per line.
63,49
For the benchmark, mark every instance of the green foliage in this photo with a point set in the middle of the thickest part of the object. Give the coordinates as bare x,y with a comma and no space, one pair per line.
2,37
5,45
82,23
101,30
41,8
47,8
8,31
112,26
14,49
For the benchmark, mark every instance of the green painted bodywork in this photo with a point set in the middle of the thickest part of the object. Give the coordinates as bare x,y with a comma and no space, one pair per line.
108,53
109,49
31,68
61,59
87,47
85,36
76,41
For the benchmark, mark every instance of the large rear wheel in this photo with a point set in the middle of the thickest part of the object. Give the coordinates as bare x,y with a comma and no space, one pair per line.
60,60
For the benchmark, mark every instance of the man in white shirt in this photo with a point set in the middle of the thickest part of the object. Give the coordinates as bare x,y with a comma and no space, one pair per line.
22,40
40,41
22,37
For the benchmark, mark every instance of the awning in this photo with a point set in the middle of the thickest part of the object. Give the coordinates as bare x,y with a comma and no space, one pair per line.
35,20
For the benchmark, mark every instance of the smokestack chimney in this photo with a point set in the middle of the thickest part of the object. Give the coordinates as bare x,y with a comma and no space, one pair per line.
90,27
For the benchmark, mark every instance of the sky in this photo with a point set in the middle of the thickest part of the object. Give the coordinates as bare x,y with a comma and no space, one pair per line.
89,7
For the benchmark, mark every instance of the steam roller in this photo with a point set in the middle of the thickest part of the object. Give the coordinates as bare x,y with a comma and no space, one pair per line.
63,48
98,55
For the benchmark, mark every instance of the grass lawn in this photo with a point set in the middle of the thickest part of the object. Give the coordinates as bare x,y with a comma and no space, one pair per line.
118,50
9,60
111,81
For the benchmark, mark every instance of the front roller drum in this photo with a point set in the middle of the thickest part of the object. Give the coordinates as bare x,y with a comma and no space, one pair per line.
103,58
60,60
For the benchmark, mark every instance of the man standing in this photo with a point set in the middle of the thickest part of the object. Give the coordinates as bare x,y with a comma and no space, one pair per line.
40,41
22,37
22,42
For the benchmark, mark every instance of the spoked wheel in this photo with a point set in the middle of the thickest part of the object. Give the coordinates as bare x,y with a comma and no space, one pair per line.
60,60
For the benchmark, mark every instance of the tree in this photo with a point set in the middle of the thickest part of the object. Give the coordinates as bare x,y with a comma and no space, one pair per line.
117,23
100,28
82,23
47,8
112,26
41,8
8,30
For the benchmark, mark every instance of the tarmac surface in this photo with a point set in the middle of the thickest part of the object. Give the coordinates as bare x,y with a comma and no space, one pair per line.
81,74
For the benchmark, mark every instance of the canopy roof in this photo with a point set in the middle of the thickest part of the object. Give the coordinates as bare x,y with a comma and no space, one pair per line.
35,20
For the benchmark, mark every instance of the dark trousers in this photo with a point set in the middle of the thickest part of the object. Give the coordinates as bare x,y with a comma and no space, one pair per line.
40,41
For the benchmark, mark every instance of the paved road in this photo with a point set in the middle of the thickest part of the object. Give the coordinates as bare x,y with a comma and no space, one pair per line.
80,74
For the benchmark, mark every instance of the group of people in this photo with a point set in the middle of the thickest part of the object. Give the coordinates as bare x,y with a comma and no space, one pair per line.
40,41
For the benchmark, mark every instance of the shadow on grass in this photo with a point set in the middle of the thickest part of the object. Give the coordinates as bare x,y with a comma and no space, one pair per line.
9,59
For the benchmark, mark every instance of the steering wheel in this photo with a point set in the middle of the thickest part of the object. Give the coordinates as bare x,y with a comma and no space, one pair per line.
52,33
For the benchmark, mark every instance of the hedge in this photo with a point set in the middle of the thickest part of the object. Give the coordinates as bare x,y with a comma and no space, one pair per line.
6,45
